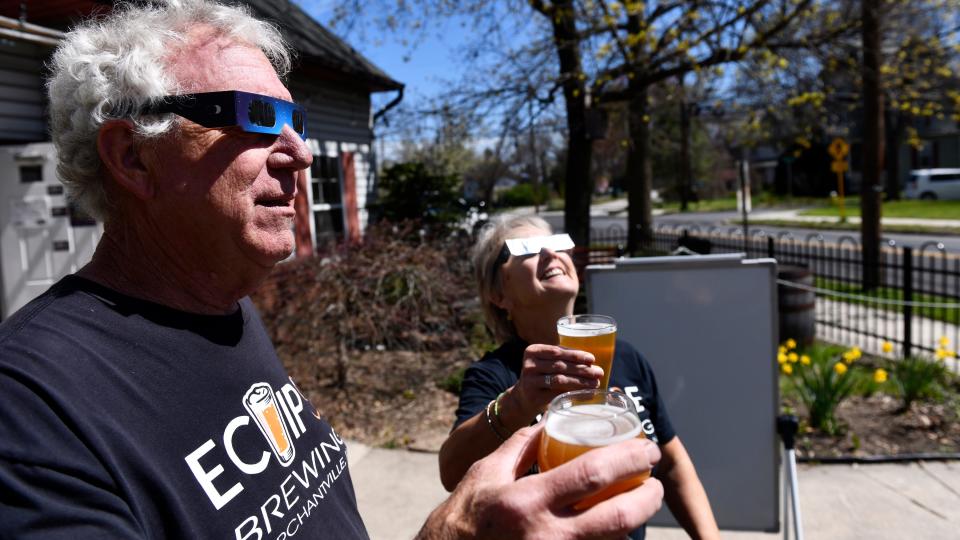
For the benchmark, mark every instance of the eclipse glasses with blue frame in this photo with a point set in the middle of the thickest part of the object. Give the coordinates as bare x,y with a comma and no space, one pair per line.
253,113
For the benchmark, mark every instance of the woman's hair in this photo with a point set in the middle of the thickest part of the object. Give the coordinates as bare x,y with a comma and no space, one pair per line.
486,266
113,66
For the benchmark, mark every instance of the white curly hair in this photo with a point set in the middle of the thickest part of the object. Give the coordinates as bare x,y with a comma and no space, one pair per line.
113,66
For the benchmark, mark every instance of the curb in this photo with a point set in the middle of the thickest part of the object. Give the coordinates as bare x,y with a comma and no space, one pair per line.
901,458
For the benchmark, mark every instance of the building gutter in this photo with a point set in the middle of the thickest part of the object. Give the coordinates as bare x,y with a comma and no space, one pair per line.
33,33
393,103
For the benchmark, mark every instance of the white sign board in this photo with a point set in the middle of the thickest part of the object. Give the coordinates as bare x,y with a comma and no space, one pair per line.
708,326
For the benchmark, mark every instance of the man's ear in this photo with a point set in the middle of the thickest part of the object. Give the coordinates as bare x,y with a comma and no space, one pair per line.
122,156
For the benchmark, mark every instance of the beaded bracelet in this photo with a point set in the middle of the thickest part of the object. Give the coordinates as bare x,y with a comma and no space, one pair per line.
496,409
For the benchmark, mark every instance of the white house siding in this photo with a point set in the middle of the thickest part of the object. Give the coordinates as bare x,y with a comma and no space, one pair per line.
22,115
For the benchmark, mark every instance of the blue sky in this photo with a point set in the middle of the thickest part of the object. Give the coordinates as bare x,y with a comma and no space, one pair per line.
423,69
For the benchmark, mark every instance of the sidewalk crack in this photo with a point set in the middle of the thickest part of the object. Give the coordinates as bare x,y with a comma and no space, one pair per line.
939,480
909,498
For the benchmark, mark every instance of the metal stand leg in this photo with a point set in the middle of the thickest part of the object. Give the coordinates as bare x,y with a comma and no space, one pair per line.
787,428
786,497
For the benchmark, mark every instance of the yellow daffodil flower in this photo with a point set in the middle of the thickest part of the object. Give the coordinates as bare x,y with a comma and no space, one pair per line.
791,343
793,357
880,376
840,368
887,347
944,341
781,358
781,350
943,353
805,360
787,368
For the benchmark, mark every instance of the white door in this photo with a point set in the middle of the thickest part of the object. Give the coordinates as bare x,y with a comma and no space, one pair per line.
41,237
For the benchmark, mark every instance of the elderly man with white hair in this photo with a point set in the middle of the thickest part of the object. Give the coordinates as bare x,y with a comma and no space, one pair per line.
142,397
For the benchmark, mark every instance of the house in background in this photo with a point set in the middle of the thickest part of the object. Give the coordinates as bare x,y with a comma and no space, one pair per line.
43,238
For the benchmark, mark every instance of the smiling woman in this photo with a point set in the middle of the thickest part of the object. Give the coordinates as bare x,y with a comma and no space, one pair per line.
527,282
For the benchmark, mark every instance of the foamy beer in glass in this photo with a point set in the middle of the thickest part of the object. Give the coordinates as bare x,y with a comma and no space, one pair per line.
579,421
261,403
595,334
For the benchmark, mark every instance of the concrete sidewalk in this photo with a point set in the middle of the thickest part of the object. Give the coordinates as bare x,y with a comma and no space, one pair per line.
397,489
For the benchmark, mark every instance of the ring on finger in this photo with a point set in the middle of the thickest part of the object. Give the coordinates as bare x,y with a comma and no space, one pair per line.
548,380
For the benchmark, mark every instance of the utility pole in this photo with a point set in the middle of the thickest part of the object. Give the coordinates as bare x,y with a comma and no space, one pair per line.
871,187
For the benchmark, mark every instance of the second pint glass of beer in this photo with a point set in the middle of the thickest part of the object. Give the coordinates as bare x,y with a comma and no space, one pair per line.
579,421
595,334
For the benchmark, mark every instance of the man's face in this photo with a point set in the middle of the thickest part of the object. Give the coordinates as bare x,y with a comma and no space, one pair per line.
225,197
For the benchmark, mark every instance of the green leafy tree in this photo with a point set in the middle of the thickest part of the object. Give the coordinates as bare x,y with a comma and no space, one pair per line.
410,192
587,51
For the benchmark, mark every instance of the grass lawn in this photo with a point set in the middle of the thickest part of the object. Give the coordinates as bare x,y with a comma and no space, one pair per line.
761,200
900,209
831,226
708,205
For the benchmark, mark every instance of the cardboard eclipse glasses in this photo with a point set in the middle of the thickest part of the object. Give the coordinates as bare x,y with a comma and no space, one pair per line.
253,113
521,247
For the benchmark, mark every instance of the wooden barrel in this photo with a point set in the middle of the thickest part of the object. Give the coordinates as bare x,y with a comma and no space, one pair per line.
797,306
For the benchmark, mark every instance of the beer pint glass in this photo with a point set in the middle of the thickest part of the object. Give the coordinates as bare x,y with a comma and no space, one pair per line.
579,421
595,334
261,403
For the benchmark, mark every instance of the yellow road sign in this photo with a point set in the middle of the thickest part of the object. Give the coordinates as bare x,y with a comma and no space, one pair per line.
839,166
839,149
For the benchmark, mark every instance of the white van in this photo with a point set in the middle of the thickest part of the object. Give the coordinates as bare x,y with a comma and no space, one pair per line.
931,184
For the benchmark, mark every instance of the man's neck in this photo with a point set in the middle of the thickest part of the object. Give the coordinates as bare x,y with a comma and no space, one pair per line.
142,269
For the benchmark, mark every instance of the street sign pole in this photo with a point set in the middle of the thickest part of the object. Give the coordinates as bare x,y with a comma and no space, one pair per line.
839,150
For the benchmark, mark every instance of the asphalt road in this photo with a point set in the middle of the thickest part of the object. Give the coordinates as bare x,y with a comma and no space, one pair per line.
727,221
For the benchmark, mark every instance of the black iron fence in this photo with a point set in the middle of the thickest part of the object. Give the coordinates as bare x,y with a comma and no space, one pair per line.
915,307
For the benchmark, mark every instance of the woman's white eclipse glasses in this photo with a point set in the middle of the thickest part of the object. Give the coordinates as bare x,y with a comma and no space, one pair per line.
521,247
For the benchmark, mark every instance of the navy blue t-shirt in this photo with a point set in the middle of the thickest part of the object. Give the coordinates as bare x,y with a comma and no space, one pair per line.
122,418
500,369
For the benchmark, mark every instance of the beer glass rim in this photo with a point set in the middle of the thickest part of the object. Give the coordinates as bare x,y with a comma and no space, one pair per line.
586,318
587,396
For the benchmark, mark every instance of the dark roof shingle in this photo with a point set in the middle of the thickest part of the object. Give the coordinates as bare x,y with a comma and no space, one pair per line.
317,45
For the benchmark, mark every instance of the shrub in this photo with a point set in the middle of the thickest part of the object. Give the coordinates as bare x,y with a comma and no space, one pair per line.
410,192
916,378
396,291
524,195
821,378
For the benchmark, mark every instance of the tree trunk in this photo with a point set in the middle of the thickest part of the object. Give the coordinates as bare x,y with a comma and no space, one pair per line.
639,178
684,178
873,139
895,130
579,184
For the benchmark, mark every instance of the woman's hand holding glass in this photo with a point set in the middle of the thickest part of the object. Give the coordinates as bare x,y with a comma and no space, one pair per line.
547,372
